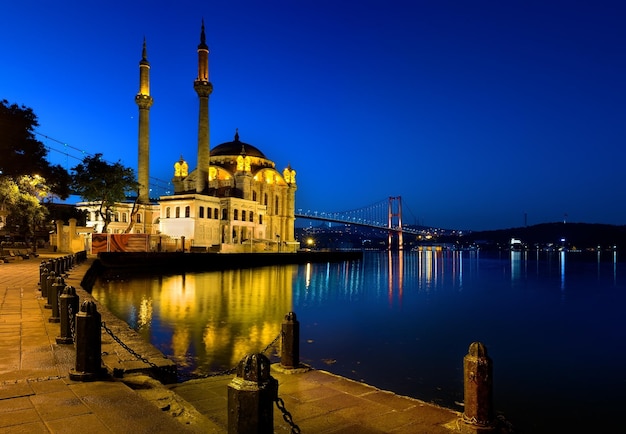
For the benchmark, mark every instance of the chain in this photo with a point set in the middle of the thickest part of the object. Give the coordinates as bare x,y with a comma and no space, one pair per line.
280,404
127,348
72,321
33,380
232,370
271,344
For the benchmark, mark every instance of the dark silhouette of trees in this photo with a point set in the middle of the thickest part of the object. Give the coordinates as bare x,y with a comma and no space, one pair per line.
26,177
104,184
22,154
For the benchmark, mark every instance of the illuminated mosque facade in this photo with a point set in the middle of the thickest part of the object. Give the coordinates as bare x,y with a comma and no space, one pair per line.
234,201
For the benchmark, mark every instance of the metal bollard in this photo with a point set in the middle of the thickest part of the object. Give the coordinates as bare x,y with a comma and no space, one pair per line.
88,343
251,395
290,348
53,299
51,279
68,302
478,386
44,282
42,268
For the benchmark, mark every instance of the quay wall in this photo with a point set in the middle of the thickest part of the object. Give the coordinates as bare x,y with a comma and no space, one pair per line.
122,264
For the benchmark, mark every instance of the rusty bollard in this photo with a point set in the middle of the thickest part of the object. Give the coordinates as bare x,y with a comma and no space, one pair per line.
251,395
50,280
53,299
290,348
68,306
478,386
88,343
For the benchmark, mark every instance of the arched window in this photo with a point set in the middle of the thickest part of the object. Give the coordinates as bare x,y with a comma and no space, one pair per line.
187,211
254,196
138,218
201,212
251,216
167,212
243,215
116,217
177,212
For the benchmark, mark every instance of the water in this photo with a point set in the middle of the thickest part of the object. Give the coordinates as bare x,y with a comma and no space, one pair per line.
552,323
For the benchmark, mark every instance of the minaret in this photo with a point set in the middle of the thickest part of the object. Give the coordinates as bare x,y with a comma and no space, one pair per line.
203,88
144,102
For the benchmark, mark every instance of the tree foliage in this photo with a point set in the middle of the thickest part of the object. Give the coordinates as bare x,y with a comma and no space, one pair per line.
95,180
21,199
22,154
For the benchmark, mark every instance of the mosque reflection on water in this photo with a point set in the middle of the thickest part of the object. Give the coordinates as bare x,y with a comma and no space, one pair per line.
404,321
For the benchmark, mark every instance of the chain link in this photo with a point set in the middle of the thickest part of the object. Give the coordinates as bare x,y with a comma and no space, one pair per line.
72,321
231,370
280,404
127,348
271,344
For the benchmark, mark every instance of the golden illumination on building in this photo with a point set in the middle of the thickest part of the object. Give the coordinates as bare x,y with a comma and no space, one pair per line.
243,163
290,175
181,168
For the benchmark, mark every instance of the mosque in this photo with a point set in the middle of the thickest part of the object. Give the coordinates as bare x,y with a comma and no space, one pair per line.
234,201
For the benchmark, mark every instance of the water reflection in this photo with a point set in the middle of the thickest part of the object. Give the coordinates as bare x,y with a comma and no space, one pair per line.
206,321
402,322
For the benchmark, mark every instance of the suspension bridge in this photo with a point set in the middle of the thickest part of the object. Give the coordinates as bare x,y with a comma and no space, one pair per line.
385,215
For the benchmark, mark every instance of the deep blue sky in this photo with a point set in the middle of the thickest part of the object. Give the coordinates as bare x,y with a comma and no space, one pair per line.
475,112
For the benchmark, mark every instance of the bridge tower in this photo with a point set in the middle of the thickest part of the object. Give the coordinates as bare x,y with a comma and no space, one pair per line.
394,222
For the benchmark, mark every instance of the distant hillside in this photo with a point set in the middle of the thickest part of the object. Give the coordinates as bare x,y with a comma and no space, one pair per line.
578,235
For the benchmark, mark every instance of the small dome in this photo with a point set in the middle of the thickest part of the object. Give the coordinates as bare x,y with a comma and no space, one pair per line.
236,148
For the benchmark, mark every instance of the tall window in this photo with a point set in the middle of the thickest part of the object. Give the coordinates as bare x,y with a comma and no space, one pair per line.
187,211
265,199
224,214
260,219
138,218
276,205
254,196
124,217
167,212
201,212
216,213
251,216
243,215
177,212
236,214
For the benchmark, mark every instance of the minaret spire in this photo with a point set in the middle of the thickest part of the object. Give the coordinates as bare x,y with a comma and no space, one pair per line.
144,102
203,88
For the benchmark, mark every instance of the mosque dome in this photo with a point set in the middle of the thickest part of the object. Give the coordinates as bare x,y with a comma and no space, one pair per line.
236,147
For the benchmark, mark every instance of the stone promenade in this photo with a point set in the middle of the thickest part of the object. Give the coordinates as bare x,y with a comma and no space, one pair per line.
37,395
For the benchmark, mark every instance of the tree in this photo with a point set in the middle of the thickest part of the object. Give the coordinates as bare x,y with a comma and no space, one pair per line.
22,154
95,180
22,199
